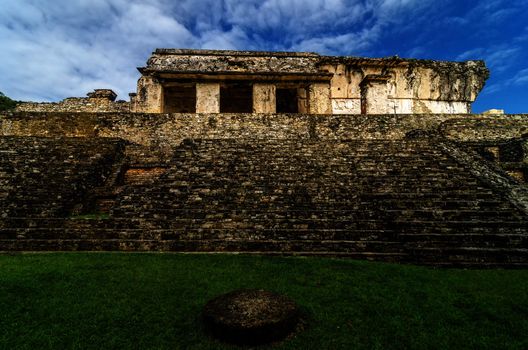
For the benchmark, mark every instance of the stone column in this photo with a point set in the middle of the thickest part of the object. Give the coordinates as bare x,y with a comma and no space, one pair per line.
264,98
374,94
208,98
302,100
319,96
133,102
150,95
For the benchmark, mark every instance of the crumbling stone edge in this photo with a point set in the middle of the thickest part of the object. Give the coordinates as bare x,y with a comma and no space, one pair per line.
488,172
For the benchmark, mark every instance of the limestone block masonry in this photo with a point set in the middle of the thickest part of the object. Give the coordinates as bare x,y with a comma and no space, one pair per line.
149,98
273,153
169,130
386,187
320,102
214,81
207,98
334,85
101,100
264,100
374,95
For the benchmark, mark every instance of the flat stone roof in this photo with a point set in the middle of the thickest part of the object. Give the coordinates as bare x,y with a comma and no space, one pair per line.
183,61
200,52
397,61
187,61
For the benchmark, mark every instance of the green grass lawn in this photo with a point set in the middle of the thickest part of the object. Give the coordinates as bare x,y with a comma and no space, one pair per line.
153,301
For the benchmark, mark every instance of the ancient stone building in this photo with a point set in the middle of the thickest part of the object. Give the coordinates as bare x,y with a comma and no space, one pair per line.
210,81
214,81
273,153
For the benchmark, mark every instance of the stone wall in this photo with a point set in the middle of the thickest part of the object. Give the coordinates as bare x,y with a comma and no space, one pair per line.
486,127
407,87
401,200
502,139
231,61
98,101
75,105
510,155
170,129
402,106
359,186
337,84
50,177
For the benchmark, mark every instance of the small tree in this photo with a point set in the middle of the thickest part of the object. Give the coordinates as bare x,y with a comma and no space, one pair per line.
7,103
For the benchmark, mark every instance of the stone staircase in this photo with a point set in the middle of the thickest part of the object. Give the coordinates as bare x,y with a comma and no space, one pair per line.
50,177
399,200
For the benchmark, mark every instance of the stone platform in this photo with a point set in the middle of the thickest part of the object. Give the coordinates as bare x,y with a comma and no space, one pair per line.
278,186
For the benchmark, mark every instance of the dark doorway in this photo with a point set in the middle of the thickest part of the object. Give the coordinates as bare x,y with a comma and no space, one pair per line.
236,98
287,101
180,98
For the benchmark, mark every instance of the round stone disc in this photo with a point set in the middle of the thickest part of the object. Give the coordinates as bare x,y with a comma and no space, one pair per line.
250,316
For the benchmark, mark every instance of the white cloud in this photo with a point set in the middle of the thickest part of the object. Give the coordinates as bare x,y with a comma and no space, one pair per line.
345,44
521,77
498,58
231,40
502,58
472,54
60,49
55,49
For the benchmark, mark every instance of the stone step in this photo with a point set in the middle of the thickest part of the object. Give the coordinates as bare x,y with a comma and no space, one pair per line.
465,240
222,245
469,255
450,256
136,222
302,198
266,186
342,202
197,233
294,211
403,200
365,231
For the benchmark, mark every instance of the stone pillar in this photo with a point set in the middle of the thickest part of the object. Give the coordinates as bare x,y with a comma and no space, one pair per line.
302,100
133,102
374,94
150,95
319,96
208,98
264,98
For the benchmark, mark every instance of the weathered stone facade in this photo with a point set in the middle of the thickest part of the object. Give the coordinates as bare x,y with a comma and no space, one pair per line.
297,82
387,187
273,153
214,81
169,130
100,100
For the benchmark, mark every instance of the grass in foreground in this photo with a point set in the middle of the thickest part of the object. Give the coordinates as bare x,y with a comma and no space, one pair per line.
153,301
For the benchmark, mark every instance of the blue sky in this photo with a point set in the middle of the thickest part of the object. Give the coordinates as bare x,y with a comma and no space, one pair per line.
52,49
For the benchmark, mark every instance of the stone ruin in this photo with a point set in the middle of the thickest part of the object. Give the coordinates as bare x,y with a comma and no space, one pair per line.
275,153
214,81
251,317
207,81
100,100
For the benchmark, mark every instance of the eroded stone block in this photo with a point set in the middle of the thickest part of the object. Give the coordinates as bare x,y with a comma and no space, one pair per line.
264,98
320,102
207,98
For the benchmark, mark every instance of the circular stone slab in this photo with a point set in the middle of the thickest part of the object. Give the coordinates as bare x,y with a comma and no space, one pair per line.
250,316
